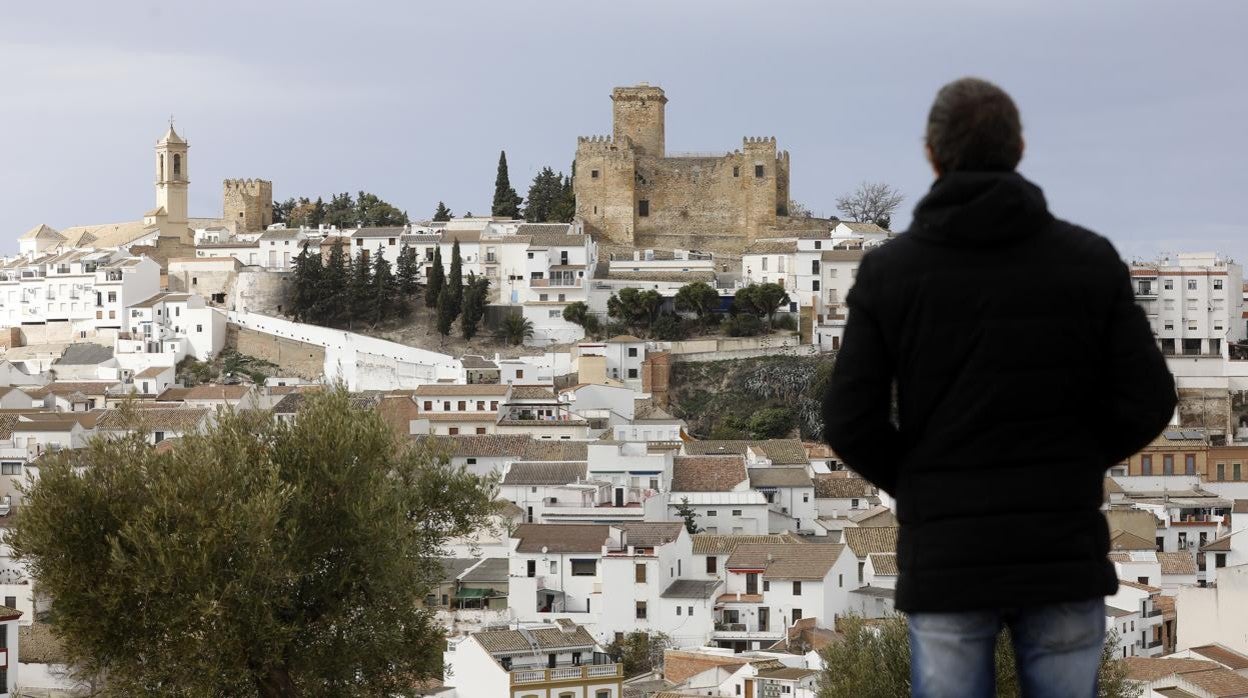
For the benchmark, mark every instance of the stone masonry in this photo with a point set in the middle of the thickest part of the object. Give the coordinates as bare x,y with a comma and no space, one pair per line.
631,192
248,203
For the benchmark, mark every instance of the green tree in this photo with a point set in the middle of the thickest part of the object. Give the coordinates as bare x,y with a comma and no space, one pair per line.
406,271
772,423
443,213
743,325
506,201
762,300
564,209
545,195
360,291
332,306
669,328
636,308
476,297
374,212
578,313
699,298
436,280
283,209
259,558
872,660
640,652
686,512
447,311
386,301
455,280
514,329
306,285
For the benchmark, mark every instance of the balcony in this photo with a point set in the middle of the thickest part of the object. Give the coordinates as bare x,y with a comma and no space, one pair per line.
744,631
555,283
562,674
1154,644
1153,613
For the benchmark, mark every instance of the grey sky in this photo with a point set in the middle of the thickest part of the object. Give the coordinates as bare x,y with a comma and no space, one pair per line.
1134,112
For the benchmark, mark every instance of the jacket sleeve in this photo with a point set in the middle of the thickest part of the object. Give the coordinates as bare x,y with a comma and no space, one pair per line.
857,403
1141,395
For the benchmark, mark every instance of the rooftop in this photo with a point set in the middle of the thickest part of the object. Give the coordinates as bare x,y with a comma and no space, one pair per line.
515,641
560,538
545,473
875,539
707,473
784,476
691,589
786,561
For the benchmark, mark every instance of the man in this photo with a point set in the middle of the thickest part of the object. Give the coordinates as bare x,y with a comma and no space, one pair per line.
1023,370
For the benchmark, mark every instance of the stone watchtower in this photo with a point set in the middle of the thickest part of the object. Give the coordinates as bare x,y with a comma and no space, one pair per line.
638,114
248,204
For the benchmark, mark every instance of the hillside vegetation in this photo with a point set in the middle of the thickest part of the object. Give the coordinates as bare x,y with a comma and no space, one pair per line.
767,397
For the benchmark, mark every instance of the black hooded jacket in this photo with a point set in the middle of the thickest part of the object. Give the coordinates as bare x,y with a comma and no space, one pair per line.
1023,370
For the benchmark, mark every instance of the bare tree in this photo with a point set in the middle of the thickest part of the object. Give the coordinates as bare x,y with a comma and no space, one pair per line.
872,202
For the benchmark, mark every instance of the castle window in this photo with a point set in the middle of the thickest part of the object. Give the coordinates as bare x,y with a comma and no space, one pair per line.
736,170
758,171
643,208
177,164
593,174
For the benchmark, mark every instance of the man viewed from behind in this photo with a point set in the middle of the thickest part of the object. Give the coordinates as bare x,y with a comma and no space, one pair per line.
1023,370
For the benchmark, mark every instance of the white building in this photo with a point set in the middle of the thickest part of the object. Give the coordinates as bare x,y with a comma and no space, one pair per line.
717,489
174,325
532,659
1194,303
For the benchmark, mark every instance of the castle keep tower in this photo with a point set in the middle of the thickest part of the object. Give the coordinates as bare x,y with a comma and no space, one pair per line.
172,179
630,192
638,116
248,204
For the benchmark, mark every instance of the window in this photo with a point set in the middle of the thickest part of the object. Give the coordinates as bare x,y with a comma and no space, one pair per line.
640,611
112,297
853,504
177,164
604,693
797,588
632,351
797,614
554,313
199,328
11,469
712,564
480,430
764,264
639,573
462,405
1189,464
678,610
428,405
453,431
1169,325
1221,471
1217,284
554,567
632,373
840,580
814,285
1168,284
359,243
736,170
712,512
805,497
758,171
643,208
1191,284
194,280
1235,472
593,174
860,566
10,601
766,585
690,611
1167,464
494,405
543,296
584,568
472,461
1146,464
736,512
814,266
520,373
390,241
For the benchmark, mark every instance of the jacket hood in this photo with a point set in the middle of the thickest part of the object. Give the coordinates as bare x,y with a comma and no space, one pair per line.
980,209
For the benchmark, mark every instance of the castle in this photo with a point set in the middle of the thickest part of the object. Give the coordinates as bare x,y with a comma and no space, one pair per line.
630,192
247,206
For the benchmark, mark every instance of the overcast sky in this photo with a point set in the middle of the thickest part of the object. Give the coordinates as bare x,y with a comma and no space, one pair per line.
1135,113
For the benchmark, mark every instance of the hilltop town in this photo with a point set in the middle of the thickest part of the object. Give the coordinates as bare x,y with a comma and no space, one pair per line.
741,549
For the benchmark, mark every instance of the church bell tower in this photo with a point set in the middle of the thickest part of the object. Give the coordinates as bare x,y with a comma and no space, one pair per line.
171,176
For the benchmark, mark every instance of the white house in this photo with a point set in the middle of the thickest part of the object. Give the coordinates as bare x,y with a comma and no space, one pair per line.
717,489
532,659
1194,303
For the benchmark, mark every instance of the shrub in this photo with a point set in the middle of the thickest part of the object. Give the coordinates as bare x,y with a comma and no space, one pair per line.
743,325
785,322
668,328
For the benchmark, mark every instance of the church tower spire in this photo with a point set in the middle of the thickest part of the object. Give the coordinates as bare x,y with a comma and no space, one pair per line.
171,176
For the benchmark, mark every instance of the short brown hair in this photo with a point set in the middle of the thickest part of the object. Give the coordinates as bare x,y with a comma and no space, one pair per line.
974,126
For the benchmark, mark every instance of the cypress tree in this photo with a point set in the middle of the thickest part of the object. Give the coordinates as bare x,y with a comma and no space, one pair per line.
433,285
360,290
455,282
331,305
506,200
405,271
446,312
564,208
475,299
385,290
443,213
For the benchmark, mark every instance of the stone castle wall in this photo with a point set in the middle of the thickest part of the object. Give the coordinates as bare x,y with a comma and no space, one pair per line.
630,193
293,357
248,203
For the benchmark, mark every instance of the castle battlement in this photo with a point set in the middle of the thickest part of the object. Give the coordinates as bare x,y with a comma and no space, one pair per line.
253,186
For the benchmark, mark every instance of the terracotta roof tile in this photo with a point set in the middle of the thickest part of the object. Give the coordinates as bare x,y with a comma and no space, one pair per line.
786,561
834,486
778,451
174,419
875,539
515,641
651,534
1148,669
1223,655
561,538
884,563
1177,563
459,389
784,476
707,473
544,473
1219,682
724,544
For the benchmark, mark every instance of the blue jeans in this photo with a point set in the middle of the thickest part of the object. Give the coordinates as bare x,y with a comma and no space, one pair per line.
1057,647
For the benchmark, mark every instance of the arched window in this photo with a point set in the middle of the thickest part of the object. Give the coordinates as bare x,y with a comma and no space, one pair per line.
177,164
162,167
